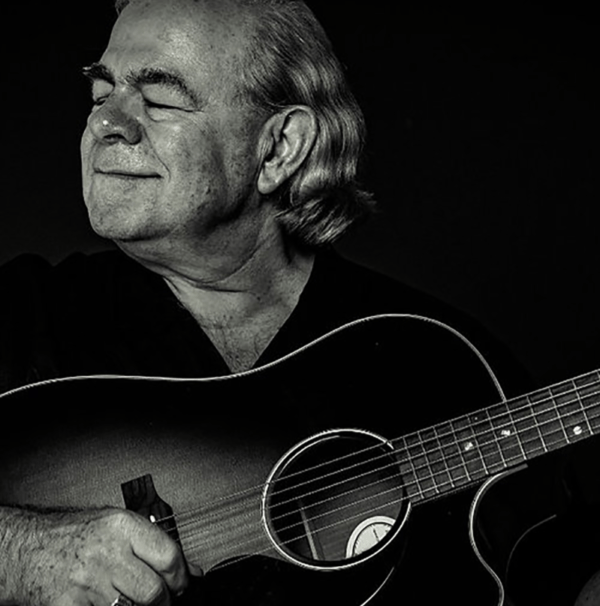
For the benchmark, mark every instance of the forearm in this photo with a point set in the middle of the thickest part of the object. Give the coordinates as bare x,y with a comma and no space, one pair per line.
33,544
18,544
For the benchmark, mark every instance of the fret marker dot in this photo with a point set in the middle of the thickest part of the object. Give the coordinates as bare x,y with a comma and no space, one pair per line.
505,433
578,430
469,446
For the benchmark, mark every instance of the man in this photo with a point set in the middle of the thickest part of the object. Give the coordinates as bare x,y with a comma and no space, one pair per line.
221,155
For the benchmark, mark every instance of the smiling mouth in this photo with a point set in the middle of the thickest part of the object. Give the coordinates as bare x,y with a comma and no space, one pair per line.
126,175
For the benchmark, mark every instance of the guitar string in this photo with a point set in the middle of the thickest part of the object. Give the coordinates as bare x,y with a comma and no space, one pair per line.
438,436
447,473
419,443
361,514
415,470
437,493
427,452
399,501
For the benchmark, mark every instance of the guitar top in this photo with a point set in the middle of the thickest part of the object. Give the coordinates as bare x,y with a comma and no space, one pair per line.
232,457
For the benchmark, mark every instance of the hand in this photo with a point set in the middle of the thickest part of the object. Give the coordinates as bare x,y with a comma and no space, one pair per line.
91,557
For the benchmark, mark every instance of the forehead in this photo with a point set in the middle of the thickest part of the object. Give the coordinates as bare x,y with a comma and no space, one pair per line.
198,38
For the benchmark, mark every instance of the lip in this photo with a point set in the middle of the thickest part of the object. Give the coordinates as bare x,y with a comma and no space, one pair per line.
124,174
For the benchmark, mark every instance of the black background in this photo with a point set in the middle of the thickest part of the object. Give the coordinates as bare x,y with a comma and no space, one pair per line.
482,153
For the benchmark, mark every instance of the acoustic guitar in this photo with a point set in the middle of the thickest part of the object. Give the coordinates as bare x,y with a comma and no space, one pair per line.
351,471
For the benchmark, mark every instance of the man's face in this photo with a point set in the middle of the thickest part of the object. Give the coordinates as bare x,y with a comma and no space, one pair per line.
167,153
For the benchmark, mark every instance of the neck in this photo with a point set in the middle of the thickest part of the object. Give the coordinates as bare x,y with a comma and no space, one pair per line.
265,281
240,300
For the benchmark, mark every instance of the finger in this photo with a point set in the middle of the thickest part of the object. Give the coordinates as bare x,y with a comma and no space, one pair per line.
76,597
135,579
154,547
195,570
140,584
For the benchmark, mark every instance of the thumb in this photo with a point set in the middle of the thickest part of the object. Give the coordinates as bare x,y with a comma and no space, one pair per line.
195,570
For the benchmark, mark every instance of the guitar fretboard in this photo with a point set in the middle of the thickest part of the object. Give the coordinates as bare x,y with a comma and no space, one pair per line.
468,449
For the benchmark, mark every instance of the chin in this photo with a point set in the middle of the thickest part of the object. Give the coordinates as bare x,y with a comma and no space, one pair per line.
112,229
118,221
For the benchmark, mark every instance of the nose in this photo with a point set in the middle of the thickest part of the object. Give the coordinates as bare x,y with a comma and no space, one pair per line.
116,121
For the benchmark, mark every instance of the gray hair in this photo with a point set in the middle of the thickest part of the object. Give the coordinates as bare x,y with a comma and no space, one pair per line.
290,61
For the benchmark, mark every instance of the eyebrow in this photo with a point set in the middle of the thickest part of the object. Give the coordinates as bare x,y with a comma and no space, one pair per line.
98,71
147,75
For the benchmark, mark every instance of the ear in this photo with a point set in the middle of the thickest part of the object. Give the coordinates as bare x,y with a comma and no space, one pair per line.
286,140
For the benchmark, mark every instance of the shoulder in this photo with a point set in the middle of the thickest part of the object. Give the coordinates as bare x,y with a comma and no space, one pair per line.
31,281
356,291
81,290
30,274
49,310
23,269
38,294
29,267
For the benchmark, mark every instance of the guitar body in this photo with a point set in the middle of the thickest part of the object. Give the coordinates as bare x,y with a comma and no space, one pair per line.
544,530
215,449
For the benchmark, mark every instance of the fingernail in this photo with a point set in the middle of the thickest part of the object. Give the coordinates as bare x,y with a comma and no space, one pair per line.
195,570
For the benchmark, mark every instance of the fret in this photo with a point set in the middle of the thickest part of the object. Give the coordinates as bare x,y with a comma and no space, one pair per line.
588,384
435,459
509,447
420,463
457,468
561,415
573,418
526,424
471,445
408,470
593,412
506,435
415,468
551,428
585,404
495,422
589,394
456,453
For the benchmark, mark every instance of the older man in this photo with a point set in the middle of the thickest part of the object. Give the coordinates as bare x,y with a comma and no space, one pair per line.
221,157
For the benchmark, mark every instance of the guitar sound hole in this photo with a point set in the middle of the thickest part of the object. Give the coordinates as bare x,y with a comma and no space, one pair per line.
335,500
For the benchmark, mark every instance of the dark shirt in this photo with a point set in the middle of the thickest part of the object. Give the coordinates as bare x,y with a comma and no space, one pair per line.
105,314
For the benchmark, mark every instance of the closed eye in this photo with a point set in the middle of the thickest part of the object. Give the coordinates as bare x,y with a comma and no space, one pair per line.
168,105
160,105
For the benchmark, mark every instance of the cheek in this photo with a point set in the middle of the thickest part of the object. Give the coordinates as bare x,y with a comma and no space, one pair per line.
243,154
84,148
85,153
196,164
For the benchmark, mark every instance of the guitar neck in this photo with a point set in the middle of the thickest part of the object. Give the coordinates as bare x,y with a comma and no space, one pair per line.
468,449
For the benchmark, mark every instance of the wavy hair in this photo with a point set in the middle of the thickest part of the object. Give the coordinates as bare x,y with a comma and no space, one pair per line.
289,60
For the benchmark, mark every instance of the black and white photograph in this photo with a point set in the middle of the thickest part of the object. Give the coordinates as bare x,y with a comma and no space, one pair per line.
299,304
